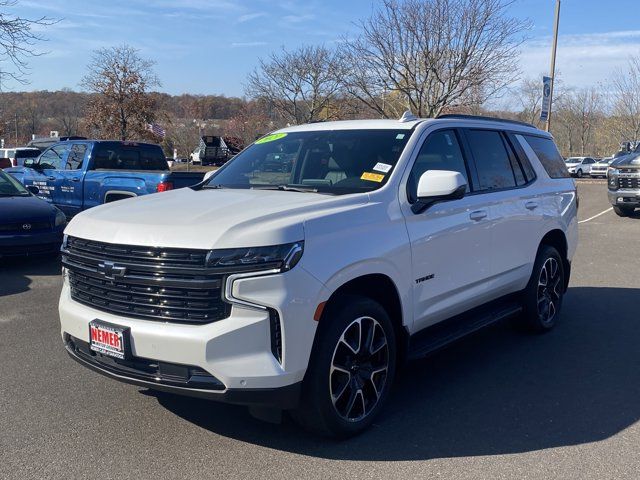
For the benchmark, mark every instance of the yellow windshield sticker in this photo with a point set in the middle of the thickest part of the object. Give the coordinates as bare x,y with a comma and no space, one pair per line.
372,177
271,138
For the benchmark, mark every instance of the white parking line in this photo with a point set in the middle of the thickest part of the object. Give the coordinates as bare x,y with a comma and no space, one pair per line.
596,216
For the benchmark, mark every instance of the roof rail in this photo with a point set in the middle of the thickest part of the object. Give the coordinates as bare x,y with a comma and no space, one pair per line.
480,117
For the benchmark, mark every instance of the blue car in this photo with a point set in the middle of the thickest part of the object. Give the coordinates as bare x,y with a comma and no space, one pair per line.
28,225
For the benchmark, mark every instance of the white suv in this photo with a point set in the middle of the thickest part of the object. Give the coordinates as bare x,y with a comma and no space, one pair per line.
304,289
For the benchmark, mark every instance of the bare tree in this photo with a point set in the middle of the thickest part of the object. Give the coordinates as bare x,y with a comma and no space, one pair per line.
302,85
585,108
626,107
121,80
428,55
18,37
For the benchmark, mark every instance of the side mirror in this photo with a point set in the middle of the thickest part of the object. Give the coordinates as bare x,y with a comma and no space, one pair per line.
30,162
33,189
438,186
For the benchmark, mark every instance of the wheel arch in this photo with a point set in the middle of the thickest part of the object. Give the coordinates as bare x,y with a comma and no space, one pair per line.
382,289
557,239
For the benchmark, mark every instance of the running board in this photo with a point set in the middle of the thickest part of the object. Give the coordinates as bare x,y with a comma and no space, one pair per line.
441,334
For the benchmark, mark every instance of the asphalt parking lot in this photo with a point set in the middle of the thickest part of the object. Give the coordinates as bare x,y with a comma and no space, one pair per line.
500,404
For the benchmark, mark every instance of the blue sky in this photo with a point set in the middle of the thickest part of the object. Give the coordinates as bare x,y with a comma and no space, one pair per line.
208,46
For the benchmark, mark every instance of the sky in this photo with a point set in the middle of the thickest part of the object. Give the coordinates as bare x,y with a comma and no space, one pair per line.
209,46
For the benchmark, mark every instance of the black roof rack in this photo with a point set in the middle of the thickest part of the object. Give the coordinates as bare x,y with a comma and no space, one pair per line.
480,117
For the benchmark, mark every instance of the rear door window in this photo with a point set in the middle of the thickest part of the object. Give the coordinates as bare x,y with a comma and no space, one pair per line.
492,159
548,154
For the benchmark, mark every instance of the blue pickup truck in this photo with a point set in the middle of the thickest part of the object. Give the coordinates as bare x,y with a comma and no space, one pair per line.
80,174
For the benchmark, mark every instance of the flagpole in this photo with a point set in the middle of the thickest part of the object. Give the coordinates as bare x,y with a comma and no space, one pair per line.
553,63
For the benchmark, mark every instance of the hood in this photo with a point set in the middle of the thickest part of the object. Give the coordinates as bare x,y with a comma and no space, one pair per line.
628,161
206,219
25,209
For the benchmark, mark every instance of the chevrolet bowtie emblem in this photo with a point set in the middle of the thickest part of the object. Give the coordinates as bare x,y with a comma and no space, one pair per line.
110,270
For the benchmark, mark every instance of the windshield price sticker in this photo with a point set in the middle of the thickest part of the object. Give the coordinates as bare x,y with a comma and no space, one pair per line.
372,177
382,167
271,138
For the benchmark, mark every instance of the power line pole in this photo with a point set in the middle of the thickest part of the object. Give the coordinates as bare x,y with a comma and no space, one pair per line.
16,120
553,63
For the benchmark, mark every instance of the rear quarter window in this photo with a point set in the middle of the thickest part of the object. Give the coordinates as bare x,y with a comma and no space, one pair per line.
548,154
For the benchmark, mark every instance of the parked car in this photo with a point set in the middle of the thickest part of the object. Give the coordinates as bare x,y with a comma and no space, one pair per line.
623,182
80,174
579,166
306,290
16,156
28,225
599,169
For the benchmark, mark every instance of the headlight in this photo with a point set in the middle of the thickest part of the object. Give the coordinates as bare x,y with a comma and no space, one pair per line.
278,257
612,171
61,219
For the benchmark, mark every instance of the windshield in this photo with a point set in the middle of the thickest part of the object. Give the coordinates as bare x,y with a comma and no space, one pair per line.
573,160
10,187
334,162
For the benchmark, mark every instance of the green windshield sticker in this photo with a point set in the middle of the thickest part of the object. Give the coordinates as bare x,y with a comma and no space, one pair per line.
271,138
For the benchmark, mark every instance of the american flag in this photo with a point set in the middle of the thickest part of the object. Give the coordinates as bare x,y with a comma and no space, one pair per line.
156,129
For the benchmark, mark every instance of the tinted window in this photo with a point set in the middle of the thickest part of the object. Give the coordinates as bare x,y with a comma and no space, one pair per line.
548,154
128,156
440,151
328,161
76,156
492,160
53,158
27,153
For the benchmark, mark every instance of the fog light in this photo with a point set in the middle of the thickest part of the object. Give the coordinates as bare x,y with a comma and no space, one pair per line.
620,199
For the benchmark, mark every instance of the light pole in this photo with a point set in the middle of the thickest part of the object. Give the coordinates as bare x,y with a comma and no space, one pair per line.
553,64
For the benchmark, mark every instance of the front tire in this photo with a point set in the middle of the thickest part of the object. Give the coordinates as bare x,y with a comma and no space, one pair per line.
623,211
543,295
579,173
351,369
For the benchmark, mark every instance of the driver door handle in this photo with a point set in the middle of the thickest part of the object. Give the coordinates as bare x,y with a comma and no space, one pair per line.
51,177
531,205
75,179
478,215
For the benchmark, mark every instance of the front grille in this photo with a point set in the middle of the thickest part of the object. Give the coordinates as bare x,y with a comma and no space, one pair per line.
629,183
165,284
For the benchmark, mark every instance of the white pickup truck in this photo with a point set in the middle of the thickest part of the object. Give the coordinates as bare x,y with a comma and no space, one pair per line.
304,290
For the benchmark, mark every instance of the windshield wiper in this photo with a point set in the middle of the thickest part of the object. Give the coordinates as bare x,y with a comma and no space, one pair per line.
286,188
213,187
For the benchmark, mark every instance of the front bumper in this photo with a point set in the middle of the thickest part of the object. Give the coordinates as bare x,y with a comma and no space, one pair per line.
203,386
30,244
627,198
236,351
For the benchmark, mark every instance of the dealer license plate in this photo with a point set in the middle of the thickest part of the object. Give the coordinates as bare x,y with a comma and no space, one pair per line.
108,339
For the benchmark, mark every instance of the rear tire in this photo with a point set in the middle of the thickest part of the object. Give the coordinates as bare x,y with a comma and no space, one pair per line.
623,211
543,295
351,369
